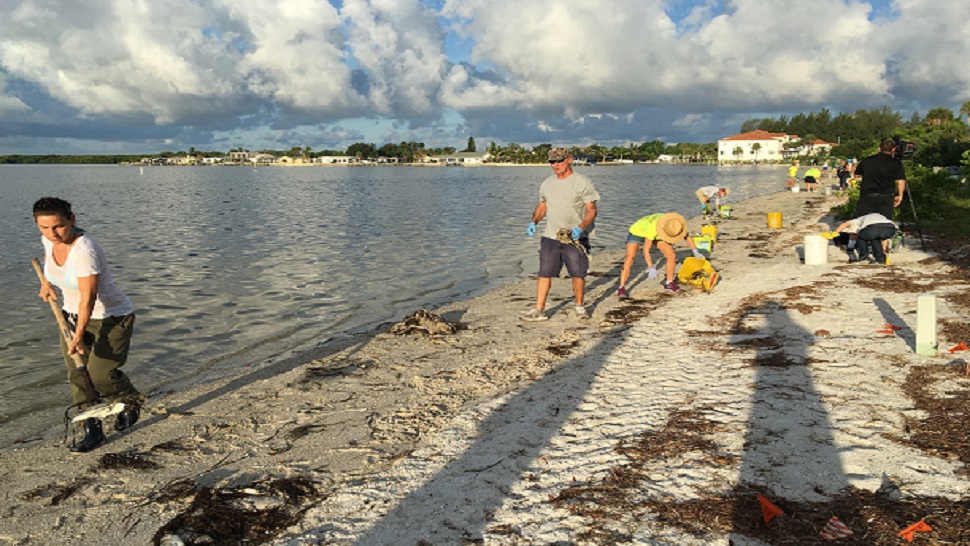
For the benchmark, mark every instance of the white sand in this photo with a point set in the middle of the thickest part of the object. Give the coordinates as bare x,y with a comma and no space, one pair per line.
467,438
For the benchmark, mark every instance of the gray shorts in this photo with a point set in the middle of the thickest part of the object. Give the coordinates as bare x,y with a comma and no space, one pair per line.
553,255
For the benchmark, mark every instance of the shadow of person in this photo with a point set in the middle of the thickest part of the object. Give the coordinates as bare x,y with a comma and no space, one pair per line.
789,450
496,448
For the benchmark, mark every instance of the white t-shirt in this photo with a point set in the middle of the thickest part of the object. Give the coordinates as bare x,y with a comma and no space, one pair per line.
566,200
85,258
862,222
709,191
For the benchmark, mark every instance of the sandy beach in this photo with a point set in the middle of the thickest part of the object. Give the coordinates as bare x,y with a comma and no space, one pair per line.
659,421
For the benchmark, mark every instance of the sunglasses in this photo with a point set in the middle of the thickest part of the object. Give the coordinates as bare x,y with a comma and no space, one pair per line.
555,161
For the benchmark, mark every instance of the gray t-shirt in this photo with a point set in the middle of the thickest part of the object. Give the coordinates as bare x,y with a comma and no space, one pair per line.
566,200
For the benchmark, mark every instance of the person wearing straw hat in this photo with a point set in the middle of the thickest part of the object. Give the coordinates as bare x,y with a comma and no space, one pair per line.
665,229
706,194
99,313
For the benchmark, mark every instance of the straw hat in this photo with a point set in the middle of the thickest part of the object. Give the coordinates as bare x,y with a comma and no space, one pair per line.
671,228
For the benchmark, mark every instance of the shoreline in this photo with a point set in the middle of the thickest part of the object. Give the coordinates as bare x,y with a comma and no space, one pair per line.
382,437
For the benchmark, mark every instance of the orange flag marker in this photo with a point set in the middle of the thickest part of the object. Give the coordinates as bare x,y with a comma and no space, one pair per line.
919,526
959,347
768,509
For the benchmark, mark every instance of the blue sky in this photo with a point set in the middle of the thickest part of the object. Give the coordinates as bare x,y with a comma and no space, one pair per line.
116,77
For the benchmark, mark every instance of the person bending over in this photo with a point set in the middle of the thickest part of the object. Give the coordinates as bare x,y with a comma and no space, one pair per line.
664,229
708,193
867,233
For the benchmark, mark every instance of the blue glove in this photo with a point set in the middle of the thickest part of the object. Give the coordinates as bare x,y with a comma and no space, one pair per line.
652,273
531,230
577,232
697,254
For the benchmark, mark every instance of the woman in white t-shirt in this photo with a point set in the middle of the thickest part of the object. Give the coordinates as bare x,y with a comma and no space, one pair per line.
100,314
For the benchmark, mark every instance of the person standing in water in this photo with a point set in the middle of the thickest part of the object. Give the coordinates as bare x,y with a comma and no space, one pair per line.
101,316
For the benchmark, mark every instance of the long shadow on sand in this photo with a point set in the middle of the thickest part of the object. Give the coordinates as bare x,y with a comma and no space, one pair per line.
789,449
499,458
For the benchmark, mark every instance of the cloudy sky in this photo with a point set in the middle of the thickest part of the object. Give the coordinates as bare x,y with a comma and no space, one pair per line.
141,76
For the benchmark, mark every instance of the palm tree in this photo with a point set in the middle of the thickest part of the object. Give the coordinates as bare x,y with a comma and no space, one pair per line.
965,110
756,147
738,152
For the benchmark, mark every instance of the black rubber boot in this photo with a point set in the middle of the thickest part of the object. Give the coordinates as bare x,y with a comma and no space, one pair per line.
127,418
93,437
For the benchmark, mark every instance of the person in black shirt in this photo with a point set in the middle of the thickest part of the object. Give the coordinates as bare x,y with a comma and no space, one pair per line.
883,182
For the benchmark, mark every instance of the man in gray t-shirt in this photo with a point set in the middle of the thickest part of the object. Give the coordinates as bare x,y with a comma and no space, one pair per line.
567,200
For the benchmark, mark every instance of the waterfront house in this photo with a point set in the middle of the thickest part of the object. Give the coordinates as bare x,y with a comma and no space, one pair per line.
335,160
753,146
466,159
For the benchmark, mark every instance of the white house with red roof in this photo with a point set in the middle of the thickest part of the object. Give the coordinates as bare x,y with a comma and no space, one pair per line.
767,146
754,146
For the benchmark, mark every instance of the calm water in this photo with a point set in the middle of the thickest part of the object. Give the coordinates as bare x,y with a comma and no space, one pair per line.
230,266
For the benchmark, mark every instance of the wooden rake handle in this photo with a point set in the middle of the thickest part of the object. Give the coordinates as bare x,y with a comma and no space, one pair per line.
79,360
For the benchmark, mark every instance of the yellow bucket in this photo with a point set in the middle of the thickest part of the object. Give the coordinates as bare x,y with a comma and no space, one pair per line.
774,220
698,272
711,231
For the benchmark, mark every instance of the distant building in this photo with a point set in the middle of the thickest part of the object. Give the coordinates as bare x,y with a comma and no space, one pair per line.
335,160
459,158
240,157
771,147
753,146
262,159
817,147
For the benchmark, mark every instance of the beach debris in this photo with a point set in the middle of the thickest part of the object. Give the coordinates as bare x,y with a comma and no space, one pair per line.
251,514
823,333
919,527
887,331
565,236
890,326
132,460
768,509
426,323
959,347
835,529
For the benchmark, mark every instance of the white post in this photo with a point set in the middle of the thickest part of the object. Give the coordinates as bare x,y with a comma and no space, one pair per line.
926,324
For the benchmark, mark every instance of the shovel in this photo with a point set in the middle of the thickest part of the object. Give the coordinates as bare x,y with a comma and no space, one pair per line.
81,362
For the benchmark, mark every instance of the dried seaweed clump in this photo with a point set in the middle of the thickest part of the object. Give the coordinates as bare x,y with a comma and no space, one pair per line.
254,514
427,323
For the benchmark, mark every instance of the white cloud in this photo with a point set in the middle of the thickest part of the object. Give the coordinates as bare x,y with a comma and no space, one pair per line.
539,69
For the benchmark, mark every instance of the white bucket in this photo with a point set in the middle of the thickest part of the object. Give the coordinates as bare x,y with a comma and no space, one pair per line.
816,250
828,190
795,189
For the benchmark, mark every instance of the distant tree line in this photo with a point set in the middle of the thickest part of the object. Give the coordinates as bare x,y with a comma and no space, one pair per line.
941,137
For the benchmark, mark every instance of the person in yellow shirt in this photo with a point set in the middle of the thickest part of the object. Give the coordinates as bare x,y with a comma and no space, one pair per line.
665,230
811,178
792,175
